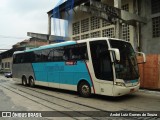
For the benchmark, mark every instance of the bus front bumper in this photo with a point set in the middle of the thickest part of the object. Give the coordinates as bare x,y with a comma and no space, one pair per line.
123,90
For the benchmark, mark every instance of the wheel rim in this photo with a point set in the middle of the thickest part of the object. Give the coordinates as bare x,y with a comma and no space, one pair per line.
85,90
24,81
31,82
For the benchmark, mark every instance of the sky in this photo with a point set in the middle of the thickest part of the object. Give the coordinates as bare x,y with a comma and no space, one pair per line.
17,17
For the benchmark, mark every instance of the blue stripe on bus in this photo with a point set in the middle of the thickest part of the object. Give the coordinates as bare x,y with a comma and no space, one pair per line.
59,72
134,81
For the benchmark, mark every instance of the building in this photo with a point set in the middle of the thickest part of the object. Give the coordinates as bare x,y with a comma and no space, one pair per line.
6,57
31,43
136,21
50,38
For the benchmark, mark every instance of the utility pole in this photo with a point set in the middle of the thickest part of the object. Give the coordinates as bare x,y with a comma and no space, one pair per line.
49,24
136,28
118,26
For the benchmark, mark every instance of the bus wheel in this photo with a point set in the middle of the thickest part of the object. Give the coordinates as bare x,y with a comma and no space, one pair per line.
24,81
31,82
84,89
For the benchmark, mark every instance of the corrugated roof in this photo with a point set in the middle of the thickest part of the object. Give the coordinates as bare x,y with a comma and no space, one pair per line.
67,5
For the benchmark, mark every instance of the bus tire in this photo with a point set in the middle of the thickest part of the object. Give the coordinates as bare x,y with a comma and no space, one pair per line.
24,81
84,89
31,82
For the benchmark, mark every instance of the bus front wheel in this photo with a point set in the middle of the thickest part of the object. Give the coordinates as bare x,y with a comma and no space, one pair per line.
84,89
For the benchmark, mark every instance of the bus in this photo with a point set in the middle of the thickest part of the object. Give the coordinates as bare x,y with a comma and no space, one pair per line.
104,66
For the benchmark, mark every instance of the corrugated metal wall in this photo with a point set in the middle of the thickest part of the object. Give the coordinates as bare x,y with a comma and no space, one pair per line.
150,72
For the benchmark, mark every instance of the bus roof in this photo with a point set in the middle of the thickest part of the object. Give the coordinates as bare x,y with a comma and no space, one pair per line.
67,43
52,46
100,38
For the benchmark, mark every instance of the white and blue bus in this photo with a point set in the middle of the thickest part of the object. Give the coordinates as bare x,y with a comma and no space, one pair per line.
104,66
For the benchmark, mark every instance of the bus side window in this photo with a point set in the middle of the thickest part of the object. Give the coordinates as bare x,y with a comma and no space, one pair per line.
78,52
58,54
65,56
50,55
37,56
83,53
15,59
20,58
44,55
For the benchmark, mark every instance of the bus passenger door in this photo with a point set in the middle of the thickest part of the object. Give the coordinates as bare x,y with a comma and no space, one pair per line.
102,67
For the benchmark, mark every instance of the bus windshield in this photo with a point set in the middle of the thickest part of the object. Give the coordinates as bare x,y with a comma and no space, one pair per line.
127,68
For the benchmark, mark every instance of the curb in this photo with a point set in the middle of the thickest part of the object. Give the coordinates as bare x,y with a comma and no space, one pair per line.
150,91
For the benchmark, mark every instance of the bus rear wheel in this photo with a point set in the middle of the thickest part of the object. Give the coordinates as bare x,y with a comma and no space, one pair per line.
84,89
31,82
24,81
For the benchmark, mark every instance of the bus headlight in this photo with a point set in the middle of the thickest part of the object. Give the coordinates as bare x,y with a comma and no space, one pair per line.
120,84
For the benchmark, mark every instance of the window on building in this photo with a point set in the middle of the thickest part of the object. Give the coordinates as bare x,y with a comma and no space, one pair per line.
95,34
85,25
125,27
6,65
156,26
125,32
105,23
155,6
76,38
108,33
76,28
85,36
95,23
125,7
2,65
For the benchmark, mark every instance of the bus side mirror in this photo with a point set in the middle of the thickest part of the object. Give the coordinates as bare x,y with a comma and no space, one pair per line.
117,53
144,57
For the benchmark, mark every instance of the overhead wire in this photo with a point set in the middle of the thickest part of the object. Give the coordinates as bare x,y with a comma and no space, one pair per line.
14,37
6,44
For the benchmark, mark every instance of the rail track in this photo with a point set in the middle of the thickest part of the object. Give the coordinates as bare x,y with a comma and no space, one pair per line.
69,105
